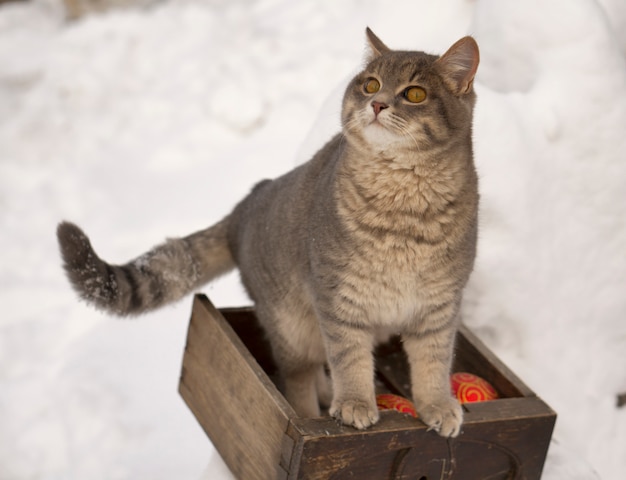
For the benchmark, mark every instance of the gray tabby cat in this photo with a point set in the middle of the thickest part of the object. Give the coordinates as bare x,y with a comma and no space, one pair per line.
375,235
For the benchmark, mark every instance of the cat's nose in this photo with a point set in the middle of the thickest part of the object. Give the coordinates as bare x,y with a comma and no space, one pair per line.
378,107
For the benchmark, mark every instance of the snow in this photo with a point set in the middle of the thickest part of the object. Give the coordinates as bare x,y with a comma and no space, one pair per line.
139,124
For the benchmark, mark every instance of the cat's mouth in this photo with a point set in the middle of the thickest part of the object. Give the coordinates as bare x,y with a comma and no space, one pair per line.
381,124
378,134
377,123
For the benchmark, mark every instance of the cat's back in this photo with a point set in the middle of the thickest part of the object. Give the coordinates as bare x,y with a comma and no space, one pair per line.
273,221
293,192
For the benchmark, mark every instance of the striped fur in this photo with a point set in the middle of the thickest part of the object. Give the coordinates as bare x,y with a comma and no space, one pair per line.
376,235
165,274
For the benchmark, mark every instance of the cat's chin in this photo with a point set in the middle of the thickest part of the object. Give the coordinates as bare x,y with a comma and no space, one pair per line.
380,138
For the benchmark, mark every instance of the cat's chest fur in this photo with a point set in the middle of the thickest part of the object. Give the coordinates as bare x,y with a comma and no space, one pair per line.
394,231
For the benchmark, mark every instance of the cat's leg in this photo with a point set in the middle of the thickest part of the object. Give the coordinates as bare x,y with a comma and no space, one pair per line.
307,389
349,349
324,388
430,353
301,391
299,352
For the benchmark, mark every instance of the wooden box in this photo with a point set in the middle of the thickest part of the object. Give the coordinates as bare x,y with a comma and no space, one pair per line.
228,381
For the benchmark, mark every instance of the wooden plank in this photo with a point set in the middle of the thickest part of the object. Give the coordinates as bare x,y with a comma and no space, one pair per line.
247,327
500,410
502,439
521,428
242,412
505,409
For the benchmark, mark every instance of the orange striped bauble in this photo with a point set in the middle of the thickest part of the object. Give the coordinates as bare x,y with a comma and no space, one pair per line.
468,387
388,401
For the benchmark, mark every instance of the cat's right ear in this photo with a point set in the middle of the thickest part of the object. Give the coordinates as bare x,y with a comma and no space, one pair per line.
376,47
459,65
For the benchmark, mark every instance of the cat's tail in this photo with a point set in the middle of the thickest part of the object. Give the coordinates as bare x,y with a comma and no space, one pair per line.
162,275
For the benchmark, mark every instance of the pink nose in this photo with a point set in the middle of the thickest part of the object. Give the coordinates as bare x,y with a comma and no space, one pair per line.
378,107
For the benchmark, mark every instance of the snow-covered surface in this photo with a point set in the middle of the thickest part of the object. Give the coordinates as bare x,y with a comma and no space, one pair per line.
142,124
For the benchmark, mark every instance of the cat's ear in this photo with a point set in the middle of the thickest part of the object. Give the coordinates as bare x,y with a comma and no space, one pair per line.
376,46
459,64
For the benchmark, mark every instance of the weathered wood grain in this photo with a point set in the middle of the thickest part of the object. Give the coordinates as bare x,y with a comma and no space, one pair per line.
234,401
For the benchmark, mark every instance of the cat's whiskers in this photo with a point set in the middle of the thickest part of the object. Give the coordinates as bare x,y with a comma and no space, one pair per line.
401,126
352,124
410,135
356,122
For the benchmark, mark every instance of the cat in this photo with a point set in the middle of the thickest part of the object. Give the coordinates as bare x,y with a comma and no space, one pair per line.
375,235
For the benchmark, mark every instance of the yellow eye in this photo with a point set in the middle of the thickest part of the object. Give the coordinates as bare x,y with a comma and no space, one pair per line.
415,94
371,85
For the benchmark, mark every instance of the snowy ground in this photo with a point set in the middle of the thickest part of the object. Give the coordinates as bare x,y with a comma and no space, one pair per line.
143,124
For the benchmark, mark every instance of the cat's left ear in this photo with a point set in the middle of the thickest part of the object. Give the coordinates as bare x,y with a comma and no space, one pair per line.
459,64
376,47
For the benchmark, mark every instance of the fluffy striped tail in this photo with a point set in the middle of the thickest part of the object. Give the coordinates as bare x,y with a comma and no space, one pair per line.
162,275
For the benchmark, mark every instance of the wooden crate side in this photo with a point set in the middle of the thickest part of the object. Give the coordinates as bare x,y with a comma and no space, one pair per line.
236,404
247,327
396,448
520,427
508,441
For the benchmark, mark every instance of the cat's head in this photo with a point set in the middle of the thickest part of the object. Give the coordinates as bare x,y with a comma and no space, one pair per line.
411,101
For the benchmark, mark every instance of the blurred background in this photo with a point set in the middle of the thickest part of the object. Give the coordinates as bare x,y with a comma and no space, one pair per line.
143,119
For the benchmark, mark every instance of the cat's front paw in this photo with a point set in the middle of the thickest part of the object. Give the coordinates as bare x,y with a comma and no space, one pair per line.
444,416
356,413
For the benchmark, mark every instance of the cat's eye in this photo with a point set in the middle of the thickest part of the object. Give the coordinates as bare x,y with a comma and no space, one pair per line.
415,94
371,85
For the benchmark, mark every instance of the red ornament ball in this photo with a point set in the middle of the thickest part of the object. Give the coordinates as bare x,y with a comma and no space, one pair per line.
388,401
468,388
